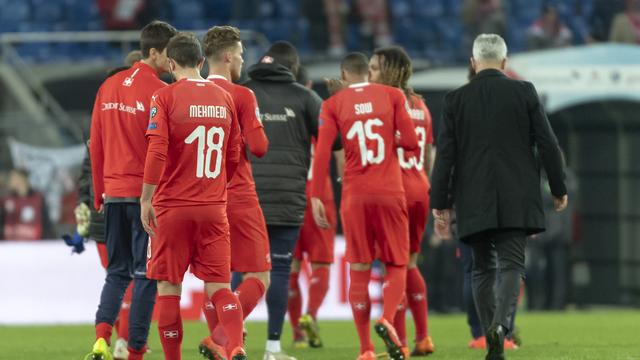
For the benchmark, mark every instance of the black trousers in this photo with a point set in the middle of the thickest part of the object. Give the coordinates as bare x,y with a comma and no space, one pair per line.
498,268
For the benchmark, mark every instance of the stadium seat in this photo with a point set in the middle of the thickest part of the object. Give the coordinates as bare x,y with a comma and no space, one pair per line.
188,10
49,11
400,9
220,10
288,9
428,8
13,14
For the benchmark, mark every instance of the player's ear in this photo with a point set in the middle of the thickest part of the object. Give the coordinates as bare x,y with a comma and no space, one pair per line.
343,75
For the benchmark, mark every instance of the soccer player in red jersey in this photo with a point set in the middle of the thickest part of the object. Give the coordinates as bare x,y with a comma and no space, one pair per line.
249,239
194,148
117,148
374,211
392,66
317,244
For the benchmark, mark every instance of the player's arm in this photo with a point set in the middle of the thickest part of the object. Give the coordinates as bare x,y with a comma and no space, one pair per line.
234,147
408,139
429,148
327,132
252,129
158,145
96,152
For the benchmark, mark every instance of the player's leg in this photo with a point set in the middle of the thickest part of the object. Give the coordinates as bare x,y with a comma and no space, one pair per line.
282,241
120,349
416,286
144,289
117,279
320,253
169,319
477,333
294,304
400,324
211,263
389,219
359,254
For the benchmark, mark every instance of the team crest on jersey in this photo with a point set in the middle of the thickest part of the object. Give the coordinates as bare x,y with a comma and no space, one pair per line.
154,111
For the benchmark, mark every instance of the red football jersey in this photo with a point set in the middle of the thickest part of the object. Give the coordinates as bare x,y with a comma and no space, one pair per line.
413,164
118,125
367,117
242,186
193,131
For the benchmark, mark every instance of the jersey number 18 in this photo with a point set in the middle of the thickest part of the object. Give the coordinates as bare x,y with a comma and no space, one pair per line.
213,143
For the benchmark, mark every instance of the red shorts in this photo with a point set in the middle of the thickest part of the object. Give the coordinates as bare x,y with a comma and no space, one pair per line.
315,242
196,236
249,239
376,227
418,216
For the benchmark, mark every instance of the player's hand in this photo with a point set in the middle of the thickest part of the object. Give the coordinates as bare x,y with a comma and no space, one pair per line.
319,213
148,217
334,85
561,203
442,223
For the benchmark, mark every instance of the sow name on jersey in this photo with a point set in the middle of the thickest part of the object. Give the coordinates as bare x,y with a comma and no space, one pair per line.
365,108
207,111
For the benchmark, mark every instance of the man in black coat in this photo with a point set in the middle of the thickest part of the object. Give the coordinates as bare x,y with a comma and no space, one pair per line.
486,165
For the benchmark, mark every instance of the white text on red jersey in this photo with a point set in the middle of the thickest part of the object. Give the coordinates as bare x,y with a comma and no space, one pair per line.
207,111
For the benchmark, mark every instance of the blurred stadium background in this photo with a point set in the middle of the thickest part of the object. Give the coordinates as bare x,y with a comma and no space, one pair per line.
582,55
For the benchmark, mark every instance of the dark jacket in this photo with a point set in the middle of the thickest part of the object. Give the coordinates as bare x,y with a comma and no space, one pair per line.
85,195
289,113
490,131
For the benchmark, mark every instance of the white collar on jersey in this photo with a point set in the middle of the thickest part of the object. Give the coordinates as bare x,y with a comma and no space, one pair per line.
197,80
356,85
216,76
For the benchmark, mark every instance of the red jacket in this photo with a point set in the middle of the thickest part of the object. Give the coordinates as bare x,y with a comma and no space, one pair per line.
118,125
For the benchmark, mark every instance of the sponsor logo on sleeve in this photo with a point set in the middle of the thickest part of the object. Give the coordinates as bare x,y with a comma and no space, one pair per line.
152,125
258,115
154,111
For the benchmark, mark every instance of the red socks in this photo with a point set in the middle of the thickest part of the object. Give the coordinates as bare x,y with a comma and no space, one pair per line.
249,294
137,354
400,322
103,330
294,306
361,306
229,316
417,299
393,290
170,326
122,328
317,290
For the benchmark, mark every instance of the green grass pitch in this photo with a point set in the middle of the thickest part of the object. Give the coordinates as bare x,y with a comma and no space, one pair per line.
597,335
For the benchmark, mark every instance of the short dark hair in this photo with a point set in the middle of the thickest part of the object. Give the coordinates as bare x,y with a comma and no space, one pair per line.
355,63
284,53
155,35
185,49
219,39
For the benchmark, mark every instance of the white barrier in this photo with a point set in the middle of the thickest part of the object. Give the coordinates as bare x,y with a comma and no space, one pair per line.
43,284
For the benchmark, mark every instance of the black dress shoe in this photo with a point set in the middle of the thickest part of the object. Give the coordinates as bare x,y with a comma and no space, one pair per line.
495,343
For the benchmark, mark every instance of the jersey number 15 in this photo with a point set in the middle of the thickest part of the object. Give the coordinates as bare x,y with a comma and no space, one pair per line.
365,131
213,143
